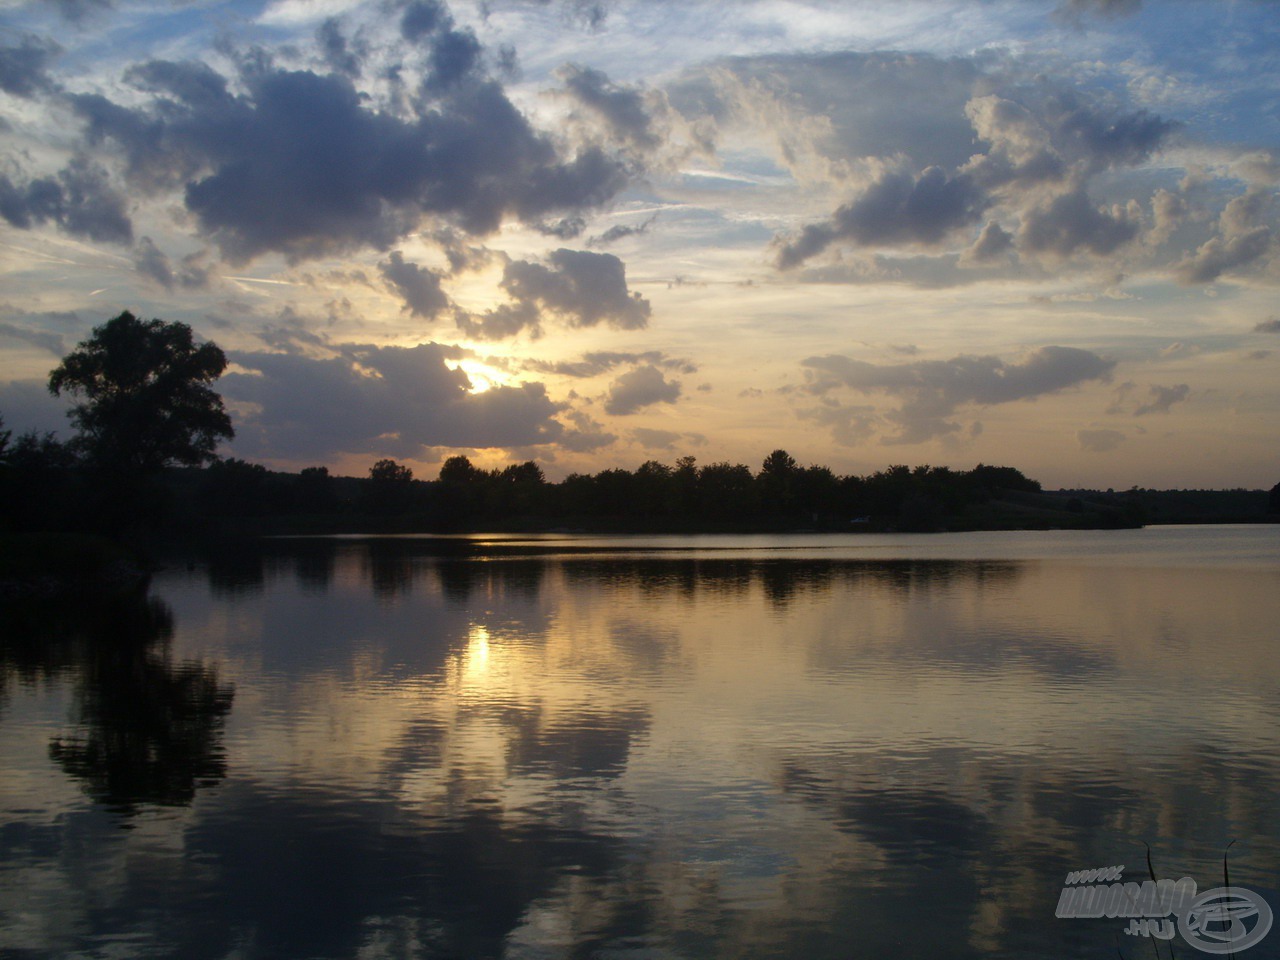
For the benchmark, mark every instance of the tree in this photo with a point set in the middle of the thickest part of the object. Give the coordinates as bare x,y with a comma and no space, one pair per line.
390,487
145,400
459,470
388,471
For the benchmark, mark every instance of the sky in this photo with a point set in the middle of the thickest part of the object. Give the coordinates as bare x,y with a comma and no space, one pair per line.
593,233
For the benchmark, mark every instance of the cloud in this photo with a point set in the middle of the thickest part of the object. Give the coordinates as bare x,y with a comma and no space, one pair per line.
656,439
619,231
389,401
1221,255
1073,11
37,338
304,164
23,67
904,126
596,362
564,229
1242,238
931,391
640,388
586,433
1162,398
993,243
151,262
624,110
80,199
1071,221
417,286
341,56
1268,326
78,10
579,288
895,209
850,425
1099,441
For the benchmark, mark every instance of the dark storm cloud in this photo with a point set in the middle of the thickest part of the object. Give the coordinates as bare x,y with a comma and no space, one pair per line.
640,388
895,209
623,109
302,164
391,401
418,286
581,289
80,199
1268,326
932,390
22,67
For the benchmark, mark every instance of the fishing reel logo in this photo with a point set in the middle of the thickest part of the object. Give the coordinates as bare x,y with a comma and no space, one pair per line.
1218,921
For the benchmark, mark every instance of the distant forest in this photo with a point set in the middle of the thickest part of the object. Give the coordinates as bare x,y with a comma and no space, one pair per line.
44,486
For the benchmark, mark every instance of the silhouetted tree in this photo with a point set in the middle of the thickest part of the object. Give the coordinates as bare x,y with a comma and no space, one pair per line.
388,471
389,487
313,491
654,489
777,482
39,483
459,470
517,490
145,399
1274,499
726,490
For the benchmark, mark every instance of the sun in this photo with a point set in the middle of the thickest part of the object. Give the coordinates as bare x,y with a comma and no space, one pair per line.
482,377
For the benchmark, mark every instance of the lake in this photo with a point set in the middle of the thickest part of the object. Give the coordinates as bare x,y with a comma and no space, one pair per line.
883,746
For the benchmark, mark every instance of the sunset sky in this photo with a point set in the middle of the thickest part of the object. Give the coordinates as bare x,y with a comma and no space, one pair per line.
1041,234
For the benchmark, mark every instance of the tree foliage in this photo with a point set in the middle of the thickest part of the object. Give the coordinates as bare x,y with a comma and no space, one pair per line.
144,393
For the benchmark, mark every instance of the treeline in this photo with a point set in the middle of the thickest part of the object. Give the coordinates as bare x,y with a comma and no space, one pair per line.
44,485
656,496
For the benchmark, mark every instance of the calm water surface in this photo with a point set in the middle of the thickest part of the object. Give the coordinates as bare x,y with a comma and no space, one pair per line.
659,747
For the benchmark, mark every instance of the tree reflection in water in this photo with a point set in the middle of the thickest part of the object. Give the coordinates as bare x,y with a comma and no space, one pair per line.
146,730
